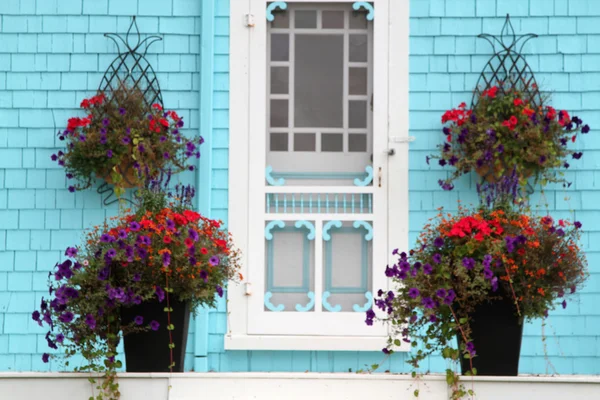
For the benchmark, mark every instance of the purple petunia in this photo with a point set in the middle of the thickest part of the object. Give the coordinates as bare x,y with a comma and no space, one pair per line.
135,226
105,121
60,338
166,259
154,325
137,277
141,148
577,224
122,234
437,258
139,320
468,263
166,155
370,317
577,156
106,238
109,153
441,293
170,224
438,242
494,283
585,129
71,252
72,189
193,235
219,291
90,321
45,357
427,269
125,140
111,253
214,261
560,232
470,347
414,293
160,294
428,302
122,111
487,273
204,275
66,317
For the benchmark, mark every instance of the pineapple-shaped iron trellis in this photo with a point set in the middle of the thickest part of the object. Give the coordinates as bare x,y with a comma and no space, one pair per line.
131,68
507,68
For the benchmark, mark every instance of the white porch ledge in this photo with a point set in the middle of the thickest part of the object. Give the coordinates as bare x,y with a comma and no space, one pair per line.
292,386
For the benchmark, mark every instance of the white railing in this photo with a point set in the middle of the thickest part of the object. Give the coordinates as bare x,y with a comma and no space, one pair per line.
295,386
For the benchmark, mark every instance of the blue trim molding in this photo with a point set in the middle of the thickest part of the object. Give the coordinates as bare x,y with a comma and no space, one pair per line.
327,227
367,6
277,4
308,225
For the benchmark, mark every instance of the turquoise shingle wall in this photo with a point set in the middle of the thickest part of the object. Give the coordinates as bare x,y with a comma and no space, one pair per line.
52,55
445,61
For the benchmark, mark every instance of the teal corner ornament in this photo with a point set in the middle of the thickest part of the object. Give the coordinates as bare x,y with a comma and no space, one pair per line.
366,306
308,225
367,226
271,225
271,306
367,6
329,307
309,306
367,180
270,180
277,4
327,227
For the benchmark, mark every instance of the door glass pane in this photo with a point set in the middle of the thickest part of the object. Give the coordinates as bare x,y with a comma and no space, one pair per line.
332,142
280,47
306,19
347,254
289,272
279,80
358,80
358,48
357,114
319,81
279,142
358,20
279,113
357,142
333,20
304,142
282,19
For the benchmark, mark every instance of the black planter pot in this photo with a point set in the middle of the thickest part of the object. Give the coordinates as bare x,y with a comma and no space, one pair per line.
496,331
149,351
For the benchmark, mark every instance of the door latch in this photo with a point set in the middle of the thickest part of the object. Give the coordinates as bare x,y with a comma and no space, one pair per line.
249,19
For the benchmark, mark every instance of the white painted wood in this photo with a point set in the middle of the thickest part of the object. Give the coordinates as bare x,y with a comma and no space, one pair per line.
296,386
308,343
247,188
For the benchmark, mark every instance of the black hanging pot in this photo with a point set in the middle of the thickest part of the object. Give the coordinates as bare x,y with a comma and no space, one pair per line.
149,351
496,331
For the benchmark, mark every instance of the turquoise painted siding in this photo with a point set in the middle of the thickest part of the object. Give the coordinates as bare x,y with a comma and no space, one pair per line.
52,55
445,60
41,83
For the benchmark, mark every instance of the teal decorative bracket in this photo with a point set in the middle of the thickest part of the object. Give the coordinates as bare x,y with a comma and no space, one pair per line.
277,4
368,179
271,306
271,225
327,227
367,226
329,307
366,306
367,6
309,306
308,225
270,180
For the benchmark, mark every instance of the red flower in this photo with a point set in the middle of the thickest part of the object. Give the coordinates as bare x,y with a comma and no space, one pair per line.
85,104
511,123
203,250
180,219
517,102
164,122
221,243
573,138
462,105
191,216
174,116
491,93
188,242
167,239
564,118
449,138
157,106
551,114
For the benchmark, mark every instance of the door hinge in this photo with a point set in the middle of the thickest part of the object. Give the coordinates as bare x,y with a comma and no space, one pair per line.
250,20
248,289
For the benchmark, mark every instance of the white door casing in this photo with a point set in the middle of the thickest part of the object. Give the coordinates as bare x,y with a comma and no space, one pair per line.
259,319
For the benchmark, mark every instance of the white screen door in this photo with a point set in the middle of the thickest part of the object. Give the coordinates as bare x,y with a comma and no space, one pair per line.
318,201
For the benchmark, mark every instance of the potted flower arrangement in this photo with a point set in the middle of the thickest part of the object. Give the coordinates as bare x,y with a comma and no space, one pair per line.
140,275
476,276
123,141
506,129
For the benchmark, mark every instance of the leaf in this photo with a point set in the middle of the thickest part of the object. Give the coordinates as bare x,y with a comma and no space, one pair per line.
171,345
474,371
397,342
463,320
416,392
374,366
